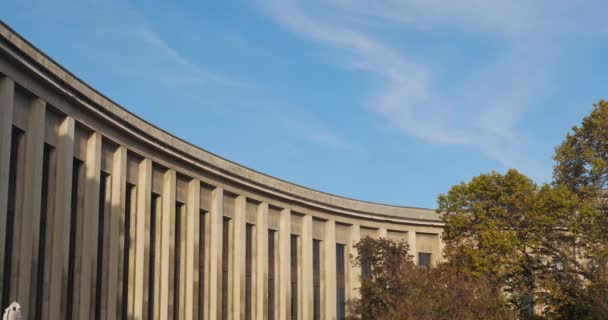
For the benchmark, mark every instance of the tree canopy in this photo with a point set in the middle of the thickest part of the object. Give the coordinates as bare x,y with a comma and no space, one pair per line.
397,289
537,242
546,245
581,161
514,248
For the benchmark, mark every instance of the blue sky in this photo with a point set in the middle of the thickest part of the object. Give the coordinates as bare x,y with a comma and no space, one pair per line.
387,101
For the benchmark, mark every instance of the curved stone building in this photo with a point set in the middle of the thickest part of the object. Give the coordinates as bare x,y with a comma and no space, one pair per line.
105,216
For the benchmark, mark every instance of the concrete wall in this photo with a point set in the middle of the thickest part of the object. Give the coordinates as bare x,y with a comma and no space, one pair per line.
104,216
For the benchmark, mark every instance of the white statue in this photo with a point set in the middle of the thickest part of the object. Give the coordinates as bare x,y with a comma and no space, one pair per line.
13,312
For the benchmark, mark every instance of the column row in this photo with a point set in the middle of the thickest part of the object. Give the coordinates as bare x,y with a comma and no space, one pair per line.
92,230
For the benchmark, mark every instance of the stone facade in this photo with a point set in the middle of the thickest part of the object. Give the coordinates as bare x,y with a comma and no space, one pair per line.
104,216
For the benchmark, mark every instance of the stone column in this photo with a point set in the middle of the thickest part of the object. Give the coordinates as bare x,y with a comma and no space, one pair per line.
25,267
168,211
215,253
306,267
182,211
144,195
261,262
411,241
329,271
155,235
353,281
7,90
90,221
118,202
199,263
382,233
441,247
192,216
238,258
284,264
58,259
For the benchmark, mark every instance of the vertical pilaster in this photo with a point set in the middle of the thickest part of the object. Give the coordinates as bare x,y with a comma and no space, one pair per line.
298,273
30,205
60,225
354,272
144,195
284,263
155,260
382,233
306,267
199,265
130,233
90,220
411,241
215,257
192,216
238,258
182,263
329,271
441,247
261,262
168,211
118,203
7,90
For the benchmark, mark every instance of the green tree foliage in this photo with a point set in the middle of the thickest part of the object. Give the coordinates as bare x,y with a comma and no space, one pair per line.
514,249
582,158
530,240
397,289
581,164
547,246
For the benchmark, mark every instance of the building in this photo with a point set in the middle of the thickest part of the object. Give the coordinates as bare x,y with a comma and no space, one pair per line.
104,216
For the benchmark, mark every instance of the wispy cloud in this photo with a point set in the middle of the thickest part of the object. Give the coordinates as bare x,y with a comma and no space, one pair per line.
314,132
118,36
188,69
132,45
485,105
471,15
299,126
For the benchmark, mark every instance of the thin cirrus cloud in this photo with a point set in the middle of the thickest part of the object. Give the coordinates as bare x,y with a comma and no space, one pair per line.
118,35
479,105
300,125
187,71
484,108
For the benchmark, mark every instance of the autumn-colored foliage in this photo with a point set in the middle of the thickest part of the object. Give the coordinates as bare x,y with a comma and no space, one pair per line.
397,289
547,245
514,249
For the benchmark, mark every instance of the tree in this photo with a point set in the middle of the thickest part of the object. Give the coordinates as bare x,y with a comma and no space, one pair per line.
486,231
397,289
582,158
581,164
535,242
545,247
